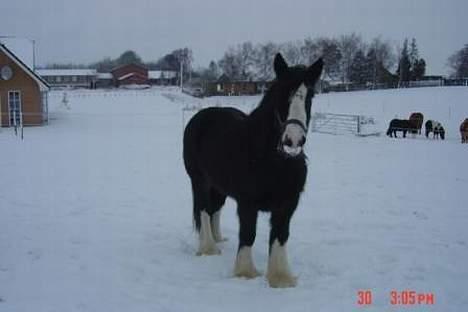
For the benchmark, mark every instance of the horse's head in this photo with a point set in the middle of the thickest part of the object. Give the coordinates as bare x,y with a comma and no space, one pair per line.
295,87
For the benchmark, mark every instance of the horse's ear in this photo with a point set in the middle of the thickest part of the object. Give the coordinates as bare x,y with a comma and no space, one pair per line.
280,65
313,72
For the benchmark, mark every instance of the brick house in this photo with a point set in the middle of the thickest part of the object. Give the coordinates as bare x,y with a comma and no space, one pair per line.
23,94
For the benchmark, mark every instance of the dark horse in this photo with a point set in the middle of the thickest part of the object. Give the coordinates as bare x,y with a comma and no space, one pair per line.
417,119
464,131
436,128
258,160
400,125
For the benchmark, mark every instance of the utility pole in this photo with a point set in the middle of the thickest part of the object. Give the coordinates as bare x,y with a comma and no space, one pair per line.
34,54
181,75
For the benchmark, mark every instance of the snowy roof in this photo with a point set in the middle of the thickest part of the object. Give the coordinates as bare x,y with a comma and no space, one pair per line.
156,74
43,86
126,76
66,72
104,76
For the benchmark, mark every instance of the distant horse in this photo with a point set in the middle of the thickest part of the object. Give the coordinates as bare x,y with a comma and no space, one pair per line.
259,161
464,131
436,128
400,125
418,119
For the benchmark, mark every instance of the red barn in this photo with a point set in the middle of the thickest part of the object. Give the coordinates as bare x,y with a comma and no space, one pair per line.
130,74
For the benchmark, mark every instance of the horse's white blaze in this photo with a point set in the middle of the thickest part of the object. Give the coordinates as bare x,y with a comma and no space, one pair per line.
296,111
244,266
279,274
207,243
216,226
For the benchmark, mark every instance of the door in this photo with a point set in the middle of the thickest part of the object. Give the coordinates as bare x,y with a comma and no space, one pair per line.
14,108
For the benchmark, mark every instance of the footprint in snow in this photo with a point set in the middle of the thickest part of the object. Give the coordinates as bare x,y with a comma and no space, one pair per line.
420,215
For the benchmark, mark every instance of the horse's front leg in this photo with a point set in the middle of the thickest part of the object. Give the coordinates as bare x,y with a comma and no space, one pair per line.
244,266
278,273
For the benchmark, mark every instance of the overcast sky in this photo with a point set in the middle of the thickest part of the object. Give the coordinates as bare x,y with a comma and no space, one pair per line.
82,31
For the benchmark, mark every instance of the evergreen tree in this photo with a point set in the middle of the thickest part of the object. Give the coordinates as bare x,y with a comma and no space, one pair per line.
419,69
129,57
404,67
413,53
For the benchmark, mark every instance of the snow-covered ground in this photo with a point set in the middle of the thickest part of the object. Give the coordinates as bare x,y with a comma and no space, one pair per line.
95,211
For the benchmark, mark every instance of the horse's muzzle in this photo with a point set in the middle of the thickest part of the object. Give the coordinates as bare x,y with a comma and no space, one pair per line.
292,148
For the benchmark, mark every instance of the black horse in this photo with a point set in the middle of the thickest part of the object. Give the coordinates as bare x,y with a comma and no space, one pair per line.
258,160
403,125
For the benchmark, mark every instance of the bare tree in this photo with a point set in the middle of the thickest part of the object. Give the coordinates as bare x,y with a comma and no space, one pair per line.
330,51
228,64
264,55
349,45
459,63
292,51
310,51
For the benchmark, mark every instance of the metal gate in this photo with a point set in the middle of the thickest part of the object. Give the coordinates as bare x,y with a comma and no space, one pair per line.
342,124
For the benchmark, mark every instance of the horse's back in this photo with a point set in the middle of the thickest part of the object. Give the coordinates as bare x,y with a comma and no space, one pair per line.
212,134
464,126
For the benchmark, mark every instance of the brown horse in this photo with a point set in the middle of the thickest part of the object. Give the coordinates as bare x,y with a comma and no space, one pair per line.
417,119
464,131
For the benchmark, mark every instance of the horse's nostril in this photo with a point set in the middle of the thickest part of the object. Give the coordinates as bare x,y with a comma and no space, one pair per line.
287,142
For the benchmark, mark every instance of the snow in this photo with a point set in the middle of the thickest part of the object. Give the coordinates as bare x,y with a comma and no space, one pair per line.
157,74
66,72
104,76
96,211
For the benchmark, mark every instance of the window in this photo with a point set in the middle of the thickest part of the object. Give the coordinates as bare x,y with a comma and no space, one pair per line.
58,79
14,108
74,78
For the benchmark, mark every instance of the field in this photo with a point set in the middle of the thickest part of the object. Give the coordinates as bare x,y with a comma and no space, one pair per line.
95,211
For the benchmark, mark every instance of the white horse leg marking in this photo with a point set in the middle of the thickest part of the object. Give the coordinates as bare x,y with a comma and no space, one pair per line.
244,266
278,273
216,226
207,244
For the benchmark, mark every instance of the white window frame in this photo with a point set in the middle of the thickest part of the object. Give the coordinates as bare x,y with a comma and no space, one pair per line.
20,107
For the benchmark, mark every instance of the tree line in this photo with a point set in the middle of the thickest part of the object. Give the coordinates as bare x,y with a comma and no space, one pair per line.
348,59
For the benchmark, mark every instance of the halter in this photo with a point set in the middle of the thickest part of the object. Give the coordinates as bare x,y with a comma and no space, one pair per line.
294,121
283,125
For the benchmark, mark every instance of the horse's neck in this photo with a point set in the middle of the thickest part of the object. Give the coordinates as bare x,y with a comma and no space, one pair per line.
262,126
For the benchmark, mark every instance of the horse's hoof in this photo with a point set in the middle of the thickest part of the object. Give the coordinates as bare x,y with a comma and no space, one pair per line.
221,239
249,274
282,281
209,251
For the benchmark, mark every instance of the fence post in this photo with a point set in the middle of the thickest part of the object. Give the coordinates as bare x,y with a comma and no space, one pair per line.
358,124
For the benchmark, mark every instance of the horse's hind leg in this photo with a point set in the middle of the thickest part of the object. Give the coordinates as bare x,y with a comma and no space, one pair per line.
216,202
201,202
